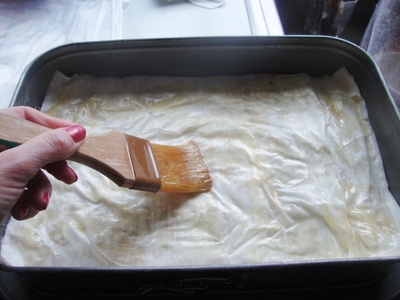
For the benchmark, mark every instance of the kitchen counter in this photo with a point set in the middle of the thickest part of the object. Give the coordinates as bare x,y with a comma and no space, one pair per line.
30,28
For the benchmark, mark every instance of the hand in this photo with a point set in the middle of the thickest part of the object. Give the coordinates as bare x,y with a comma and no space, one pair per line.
24,188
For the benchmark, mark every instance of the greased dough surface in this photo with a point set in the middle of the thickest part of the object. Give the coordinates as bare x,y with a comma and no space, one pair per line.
296,174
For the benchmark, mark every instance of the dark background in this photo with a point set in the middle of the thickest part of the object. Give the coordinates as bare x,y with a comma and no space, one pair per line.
293,14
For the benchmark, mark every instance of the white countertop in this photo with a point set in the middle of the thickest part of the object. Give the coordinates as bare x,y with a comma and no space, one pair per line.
28,29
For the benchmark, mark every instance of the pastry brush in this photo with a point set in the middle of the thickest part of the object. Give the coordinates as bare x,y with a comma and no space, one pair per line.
129,161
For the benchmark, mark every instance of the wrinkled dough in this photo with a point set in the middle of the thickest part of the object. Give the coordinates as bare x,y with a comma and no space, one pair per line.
296,170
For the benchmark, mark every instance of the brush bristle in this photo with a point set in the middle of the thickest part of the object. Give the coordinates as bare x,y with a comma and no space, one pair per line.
182,168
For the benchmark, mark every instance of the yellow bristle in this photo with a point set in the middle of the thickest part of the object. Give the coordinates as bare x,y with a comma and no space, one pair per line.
182,168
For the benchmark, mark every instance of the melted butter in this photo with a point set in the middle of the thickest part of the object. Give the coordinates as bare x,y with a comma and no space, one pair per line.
295,166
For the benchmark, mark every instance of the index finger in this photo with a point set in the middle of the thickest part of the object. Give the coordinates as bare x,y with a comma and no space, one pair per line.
37,117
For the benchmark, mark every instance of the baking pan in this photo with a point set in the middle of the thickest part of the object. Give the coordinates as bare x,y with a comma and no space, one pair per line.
211,57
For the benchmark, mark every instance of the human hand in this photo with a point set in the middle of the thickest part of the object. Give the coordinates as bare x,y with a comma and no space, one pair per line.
24,188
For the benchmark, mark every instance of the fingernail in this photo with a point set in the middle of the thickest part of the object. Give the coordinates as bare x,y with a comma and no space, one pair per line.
23,211
77,132
46,199
76,175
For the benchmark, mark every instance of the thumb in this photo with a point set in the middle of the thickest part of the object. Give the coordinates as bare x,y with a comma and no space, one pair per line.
51,146
24,189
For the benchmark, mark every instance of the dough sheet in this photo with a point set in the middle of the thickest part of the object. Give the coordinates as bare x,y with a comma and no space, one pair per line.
296,171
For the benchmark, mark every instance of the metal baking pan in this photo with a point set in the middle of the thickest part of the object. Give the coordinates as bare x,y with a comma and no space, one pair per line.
210,57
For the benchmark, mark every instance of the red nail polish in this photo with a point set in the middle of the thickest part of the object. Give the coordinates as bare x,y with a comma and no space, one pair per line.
77,132
46,199
23,211
76,175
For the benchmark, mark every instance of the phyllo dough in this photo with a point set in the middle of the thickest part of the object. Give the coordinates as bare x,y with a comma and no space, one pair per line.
296,170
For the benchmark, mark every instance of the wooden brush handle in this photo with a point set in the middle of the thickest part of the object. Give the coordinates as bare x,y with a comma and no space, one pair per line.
15,131
106,154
